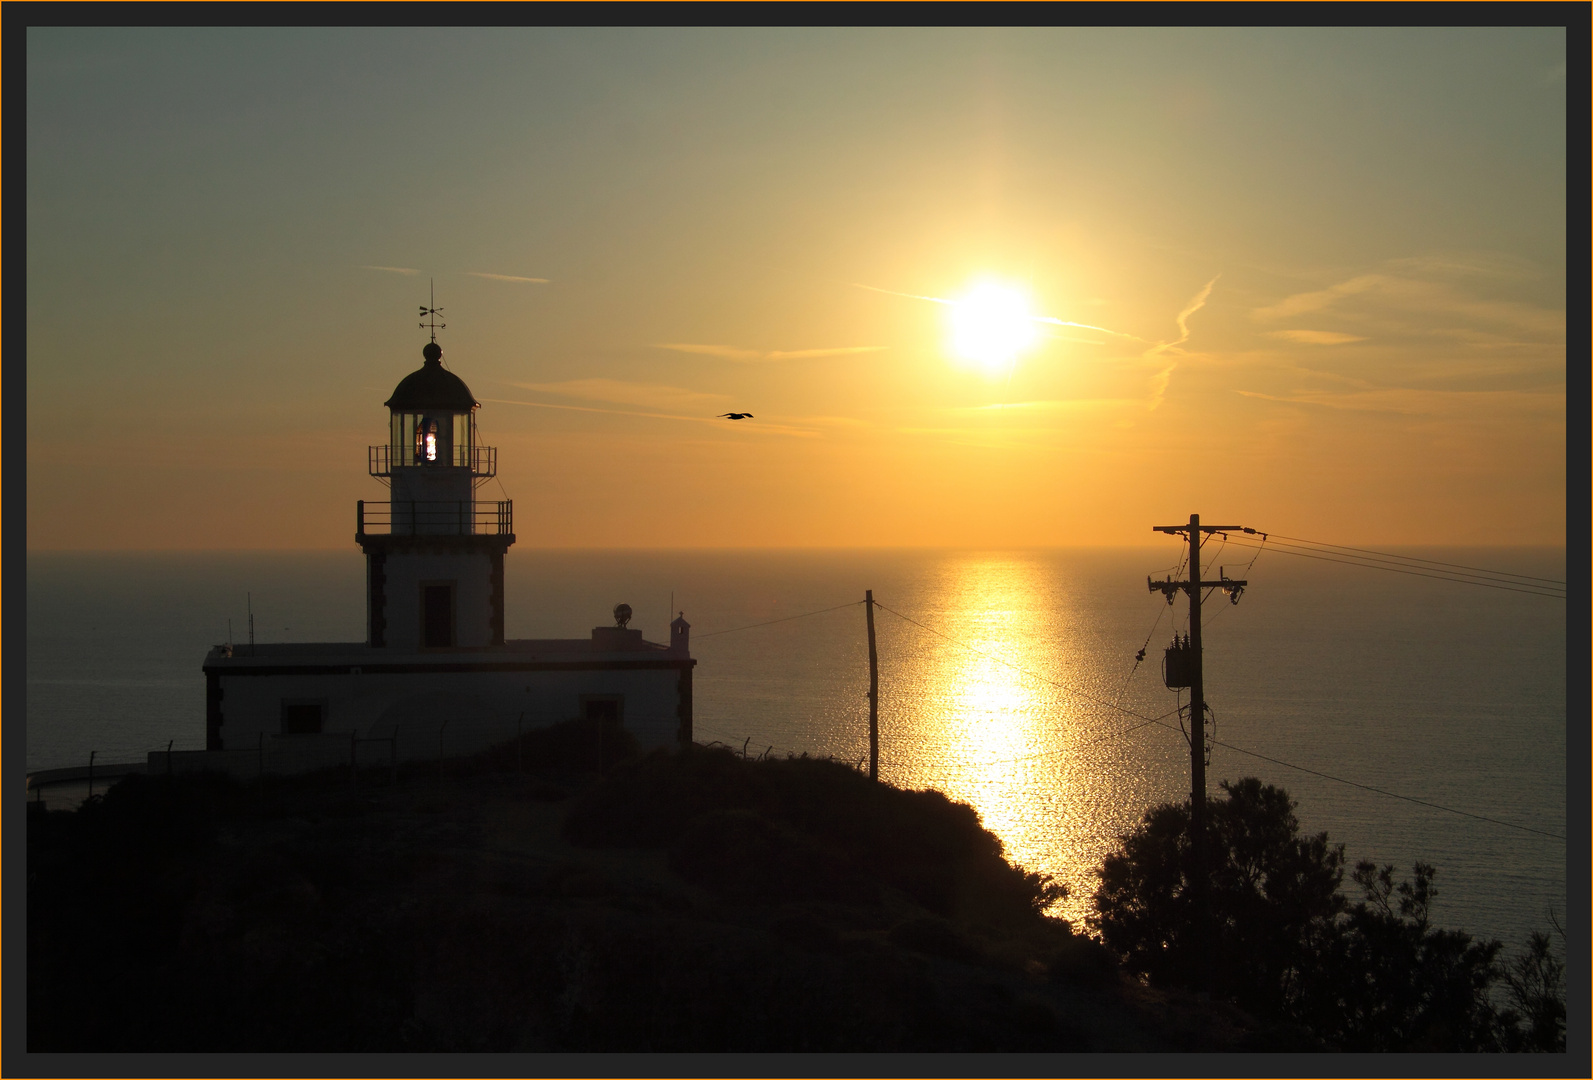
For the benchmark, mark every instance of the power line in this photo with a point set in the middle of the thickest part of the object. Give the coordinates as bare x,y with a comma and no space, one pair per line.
1380,561
1412,558
1015,667
788,618
1157,720
1161,720
1528,590
1500,576
1380,791
1140,655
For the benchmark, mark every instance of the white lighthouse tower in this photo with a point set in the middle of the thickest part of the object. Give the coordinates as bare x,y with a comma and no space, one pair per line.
434,674
433,554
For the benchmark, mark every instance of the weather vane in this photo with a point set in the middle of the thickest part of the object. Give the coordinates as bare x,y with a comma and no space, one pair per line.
433,325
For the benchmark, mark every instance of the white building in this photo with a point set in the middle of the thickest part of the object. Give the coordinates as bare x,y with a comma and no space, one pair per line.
435,675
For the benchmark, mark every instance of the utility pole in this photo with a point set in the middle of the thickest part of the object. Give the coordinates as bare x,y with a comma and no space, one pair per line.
873,692
1200,872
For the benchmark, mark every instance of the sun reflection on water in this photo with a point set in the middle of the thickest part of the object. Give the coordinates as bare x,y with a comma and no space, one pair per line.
982,717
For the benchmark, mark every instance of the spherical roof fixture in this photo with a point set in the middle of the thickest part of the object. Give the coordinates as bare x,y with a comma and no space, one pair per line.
433,388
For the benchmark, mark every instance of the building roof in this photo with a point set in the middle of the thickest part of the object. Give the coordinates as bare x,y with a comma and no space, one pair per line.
432,388
304,655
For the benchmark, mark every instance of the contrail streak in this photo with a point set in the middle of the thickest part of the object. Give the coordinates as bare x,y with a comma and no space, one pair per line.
1036,318
1163,377
1085,326
1194,305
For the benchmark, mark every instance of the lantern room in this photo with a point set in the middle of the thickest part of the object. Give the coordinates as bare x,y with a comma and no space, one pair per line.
432,455
433,417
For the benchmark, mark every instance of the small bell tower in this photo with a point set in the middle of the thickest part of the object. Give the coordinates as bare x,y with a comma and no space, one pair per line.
433,554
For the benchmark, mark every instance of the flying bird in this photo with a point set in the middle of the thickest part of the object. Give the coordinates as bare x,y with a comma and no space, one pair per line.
736,415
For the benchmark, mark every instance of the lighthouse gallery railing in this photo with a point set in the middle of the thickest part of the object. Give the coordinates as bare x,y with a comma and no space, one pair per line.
411,517
482,460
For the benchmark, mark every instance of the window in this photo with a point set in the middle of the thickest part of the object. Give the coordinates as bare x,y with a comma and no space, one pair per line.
302,717
605,709
426,440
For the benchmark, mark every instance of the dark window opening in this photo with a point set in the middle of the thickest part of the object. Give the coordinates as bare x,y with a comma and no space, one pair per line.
603,710
302,718
437,616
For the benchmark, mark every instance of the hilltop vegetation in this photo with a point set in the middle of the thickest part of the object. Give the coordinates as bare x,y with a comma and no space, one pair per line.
693,901
522,901
1283,942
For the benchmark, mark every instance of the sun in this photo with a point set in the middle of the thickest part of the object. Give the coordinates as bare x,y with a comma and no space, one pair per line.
991,325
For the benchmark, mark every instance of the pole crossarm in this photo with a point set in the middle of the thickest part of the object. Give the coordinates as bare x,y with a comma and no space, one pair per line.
1169,586
1204,528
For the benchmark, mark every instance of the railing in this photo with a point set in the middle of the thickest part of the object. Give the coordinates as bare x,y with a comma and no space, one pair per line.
483,460
416,518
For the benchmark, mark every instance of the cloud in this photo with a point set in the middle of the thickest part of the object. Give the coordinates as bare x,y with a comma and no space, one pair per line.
1415,402
508,277
630,393
1316,300
1316,337
391,269
754,356
1432,296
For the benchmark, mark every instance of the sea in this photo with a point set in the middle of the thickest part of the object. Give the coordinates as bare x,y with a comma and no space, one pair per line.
1410,718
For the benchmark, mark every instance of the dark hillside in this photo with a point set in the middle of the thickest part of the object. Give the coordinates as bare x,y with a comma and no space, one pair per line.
691,901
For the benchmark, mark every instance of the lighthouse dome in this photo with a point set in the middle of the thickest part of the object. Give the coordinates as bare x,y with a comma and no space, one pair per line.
432,388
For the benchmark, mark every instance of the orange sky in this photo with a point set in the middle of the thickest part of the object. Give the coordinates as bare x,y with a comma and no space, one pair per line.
1326,268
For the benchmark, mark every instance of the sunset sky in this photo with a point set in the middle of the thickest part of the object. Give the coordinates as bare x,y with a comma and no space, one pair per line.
993,288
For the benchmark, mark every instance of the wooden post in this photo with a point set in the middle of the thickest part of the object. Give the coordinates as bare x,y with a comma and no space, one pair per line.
1197,762
1197,708
1202,925
873,691
91,772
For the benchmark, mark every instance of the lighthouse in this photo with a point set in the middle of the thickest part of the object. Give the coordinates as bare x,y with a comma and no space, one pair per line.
433,554
435,676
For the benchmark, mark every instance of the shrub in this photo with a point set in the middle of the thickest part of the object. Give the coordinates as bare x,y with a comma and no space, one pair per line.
1272,894
1285,944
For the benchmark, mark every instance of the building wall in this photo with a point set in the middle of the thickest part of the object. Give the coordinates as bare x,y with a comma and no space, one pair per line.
404,573
430,483
466,711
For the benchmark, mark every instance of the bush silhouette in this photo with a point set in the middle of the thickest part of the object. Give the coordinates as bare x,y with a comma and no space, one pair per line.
1284,943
